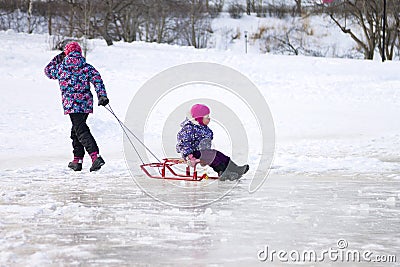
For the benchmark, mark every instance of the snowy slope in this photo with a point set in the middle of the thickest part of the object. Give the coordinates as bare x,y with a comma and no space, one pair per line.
328,113
335,172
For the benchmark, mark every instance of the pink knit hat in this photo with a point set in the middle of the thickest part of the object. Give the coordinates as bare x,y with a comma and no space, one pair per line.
72,47
198,112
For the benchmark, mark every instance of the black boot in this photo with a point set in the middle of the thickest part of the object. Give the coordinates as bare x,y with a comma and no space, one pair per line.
228,175
242,169
75,166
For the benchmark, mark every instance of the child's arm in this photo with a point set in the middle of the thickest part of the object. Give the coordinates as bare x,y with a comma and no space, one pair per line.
191,160
51,70
96,80
185,139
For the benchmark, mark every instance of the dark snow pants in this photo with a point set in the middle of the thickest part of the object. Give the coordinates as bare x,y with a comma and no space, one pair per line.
80,134
215,159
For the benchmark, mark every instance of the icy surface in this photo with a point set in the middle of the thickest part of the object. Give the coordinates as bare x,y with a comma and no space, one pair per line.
335,173
50,217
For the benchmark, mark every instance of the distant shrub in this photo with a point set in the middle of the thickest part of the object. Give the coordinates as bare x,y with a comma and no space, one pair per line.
214,11
236,10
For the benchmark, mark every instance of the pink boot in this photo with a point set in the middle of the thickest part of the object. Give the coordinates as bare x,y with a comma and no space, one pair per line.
97,161
76,164
94,156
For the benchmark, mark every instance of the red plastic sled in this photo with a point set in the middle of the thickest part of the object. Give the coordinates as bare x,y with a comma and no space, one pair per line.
166,172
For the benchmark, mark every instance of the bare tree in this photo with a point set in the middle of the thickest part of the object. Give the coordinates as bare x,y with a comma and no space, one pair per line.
195,27
236,10
298,9
158,20
30,17
362,21
248,7
103,20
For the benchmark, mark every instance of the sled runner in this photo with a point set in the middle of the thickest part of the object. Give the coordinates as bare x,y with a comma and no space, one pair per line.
167,172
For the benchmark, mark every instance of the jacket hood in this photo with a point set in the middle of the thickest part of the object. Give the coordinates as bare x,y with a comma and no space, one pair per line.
74,61
186,122
191,122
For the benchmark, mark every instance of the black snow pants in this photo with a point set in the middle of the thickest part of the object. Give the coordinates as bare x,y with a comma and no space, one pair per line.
80,134
213,158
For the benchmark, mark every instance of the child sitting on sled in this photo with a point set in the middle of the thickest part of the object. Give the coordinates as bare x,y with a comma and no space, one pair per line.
194,144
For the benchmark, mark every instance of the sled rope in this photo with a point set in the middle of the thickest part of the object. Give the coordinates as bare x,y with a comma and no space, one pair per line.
124,129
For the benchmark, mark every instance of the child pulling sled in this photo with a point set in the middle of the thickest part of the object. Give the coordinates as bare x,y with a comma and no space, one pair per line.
74,76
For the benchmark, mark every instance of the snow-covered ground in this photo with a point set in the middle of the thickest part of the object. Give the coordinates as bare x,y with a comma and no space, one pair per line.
335,173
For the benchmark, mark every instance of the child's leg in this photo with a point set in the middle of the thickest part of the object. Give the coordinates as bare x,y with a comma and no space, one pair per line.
82,132
222,164
78,149
214,158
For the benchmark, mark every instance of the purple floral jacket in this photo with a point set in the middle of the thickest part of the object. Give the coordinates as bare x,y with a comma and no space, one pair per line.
74,76
193,137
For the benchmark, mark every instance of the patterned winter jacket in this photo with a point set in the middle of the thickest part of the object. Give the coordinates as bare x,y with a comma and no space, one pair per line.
74,76
193,137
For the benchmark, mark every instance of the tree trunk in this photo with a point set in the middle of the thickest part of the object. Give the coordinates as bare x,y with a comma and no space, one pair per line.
193,29
29,18
298,7
49,21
